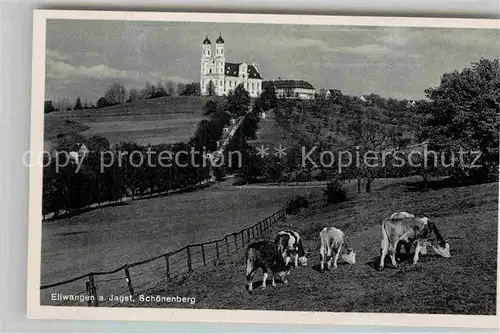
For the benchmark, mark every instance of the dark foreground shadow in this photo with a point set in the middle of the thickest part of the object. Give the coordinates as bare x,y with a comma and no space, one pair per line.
401,258
257,285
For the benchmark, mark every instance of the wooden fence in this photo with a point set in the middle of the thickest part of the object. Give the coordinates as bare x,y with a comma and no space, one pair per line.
110,288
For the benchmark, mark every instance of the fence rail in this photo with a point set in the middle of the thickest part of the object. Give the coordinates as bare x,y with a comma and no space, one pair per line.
110,288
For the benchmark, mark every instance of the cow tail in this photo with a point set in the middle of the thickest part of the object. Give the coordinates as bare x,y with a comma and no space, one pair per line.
385,238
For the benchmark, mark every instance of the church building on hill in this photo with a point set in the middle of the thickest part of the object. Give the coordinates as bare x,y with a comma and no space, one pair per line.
219,77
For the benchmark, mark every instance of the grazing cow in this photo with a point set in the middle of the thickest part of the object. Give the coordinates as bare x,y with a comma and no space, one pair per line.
407,245
265,255
410,230
333,239
289,243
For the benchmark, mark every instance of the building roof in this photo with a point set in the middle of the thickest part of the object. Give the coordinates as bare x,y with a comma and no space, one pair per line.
219,40
282,84
206,41
232,70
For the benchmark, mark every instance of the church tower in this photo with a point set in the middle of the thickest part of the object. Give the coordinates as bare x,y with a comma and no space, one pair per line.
220,60
206,65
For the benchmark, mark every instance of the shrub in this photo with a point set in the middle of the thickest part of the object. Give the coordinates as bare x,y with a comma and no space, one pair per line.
334,192
295,204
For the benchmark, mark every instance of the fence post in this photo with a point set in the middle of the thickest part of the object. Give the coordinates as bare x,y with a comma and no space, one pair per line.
235,236
129,280
203,254
167,266
242,238
227,245
93,289
248,235
217,249
190,265
87,288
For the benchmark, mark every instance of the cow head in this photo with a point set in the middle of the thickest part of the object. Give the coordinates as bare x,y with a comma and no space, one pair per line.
303,259
438,243
350,256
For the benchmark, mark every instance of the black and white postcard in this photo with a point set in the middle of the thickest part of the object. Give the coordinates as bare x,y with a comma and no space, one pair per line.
264,168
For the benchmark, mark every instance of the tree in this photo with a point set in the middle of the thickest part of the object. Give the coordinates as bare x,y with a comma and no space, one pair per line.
463,113
180,88
370,138
210,107
78,104
191,89
134,95
115,94
98,144
211,88
170,88
102,103
269,98
238,101
48,107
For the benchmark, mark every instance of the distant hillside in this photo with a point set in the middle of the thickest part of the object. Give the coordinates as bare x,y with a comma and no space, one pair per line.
154,121
306,122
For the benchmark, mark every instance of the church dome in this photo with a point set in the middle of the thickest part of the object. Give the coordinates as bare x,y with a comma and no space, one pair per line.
219,40
206,41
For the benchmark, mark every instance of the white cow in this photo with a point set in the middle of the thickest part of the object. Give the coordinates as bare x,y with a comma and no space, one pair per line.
333,240
410,230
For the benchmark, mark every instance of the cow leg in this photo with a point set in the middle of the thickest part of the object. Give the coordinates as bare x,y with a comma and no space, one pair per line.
398,247
384,247
250,274
337,256
329,257
287,257
322,256
423,250
392,251
264,279
392,254
418,247
296,259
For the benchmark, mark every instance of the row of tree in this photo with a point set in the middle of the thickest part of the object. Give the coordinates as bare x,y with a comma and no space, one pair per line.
461,114
117,94
71,186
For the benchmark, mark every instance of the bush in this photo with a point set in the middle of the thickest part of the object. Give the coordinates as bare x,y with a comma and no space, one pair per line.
295,204
334,192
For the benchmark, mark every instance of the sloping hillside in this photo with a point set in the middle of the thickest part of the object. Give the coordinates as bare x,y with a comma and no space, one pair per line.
463,284
154,121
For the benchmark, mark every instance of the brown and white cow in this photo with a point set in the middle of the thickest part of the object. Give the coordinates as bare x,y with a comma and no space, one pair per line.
290,244
408,229
264,255
334,240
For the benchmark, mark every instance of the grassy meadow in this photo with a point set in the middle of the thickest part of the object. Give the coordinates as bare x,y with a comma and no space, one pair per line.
463,284
154,121
94,240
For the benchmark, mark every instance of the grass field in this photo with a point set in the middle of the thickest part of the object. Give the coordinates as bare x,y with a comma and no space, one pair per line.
155,121
463,284
94,241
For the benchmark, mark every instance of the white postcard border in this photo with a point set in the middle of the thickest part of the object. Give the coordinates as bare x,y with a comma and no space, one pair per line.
37,311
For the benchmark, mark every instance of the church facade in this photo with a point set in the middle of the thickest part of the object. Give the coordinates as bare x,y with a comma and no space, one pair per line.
219,77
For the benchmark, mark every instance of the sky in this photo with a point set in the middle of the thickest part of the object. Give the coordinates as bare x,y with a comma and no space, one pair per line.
83,58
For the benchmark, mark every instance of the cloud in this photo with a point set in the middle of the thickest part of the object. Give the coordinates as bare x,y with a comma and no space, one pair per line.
58,68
